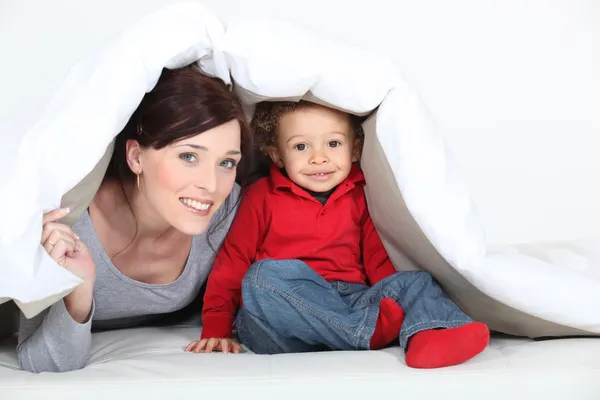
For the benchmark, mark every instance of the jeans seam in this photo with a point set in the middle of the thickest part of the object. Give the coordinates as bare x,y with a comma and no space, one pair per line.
364,340
357,332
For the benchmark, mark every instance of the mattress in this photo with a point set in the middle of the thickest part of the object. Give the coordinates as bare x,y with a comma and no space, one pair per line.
150,363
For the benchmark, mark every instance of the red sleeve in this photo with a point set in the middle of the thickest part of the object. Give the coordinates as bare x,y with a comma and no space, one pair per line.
377,264
223,288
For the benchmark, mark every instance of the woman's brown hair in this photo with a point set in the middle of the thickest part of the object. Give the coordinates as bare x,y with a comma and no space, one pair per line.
183,103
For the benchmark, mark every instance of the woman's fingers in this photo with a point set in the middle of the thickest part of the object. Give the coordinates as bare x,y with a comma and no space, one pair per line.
56,236
54,215
60,251
50,227
60,245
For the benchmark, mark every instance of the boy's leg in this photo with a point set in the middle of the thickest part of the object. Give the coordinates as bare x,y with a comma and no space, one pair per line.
261,339
435,331
288,307
389,319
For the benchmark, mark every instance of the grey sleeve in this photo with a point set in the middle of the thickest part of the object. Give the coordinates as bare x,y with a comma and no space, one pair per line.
227,215
53,342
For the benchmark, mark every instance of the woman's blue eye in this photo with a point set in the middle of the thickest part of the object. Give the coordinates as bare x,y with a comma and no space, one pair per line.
300,147
229,164
188,157
335,143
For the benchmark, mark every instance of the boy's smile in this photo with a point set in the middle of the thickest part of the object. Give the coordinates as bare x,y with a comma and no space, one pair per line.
321,176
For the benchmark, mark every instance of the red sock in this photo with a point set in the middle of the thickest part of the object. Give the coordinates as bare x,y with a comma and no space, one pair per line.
435,348
388,325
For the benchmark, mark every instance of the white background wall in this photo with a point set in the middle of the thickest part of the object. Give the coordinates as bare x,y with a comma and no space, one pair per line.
514,84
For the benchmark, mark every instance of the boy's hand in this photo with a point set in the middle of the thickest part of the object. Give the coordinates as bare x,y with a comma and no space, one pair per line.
218,344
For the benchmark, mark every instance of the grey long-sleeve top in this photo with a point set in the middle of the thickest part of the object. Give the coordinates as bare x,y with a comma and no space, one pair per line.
53,342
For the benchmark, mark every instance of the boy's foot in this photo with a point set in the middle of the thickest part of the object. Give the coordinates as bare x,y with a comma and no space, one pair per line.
388,325
435,348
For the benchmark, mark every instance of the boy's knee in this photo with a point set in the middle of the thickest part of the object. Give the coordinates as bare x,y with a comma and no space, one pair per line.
266,279
259,271
420,278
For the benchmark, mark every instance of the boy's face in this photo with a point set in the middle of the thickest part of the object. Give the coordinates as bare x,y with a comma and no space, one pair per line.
316,146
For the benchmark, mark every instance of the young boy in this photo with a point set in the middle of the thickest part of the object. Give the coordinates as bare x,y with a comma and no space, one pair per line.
303,268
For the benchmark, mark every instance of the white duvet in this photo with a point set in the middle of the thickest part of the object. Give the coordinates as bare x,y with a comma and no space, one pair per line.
418,199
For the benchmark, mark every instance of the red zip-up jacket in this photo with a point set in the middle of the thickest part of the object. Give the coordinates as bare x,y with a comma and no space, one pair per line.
278,219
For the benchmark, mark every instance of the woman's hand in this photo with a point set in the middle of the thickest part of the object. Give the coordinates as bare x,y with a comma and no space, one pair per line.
70,252
65,247
218,344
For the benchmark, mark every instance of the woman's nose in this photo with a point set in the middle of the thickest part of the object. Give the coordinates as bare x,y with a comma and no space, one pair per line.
207,179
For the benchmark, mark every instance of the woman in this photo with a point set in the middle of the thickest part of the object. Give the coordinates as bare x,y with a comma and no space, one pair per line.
147,242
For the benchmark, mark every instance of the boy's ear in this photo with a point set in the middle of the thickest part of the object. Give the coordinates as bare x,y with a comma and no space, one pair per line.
357,150
274,154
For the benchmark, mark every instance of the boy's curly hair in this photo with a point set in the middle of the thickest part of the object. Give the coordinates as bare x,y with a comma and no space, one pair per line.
267,115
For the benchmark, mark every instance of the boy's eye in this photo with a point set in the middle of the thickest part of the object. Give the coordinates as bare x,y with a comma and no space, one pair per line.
229,164
300,147
188,157
335,143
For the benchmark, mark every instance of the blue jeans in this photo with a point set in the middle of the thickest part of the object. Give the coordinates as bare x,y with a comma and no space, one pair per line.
289,308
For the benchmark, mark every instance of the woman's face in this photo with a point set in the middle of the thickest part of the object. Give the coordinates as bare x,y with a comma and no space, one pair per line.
186,182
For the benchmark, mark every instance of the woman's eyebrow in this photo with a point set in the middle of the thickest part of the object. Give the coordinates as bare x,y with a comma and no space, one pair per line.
204,148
